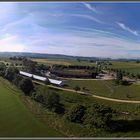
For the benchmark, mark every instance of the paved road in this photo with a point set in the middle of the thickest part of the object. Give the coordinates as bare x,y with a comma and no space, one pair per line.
88,94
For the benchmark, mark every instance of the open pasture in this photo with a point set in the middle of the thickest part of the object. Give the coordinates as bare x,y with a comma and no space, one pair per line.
107,88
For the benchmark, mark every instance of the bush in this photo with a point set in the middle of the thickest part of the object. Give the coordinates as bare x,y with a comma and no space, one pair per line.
26,86
52,102
77,88
97,116
76,113
10,73
17,80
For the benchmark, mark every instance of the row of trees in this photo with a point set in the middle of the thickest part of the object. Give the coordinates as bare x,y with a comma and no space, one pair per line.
121,73
58,67
33,67
25,84
75,74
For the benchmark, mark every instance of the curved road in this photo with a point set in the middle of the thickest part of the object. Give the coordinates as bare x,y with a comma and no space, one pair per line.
88,94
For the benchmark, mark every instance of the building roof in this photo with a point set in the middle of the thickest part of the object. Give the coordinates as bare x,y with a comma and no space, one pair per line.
52,81
57,82
39,78
25,74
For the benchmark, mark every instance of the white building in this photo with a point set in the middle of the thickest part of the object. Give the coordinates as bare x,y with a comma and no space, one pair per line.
56,82
25,74
40,78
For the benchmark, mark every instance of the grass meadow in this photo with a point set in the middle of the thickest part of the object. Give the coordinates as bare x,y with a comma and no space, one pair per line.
68,99
15,119
107,88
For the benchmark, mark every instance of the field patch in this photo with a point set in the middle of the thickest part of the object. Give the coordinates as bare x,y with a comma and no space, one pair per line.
51,62
63,62
128,66
107,89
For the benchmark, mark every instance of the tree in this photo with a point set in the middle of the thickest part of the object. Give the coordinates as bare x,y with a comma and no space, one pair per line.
17,79
76,113
119,77
77,88
78,59
52,101
10,73
98,116
2,69
30,65
26,86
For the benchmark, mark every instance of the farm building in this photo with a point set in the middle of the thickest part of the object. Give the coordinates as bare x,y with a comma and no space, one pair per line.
25,74
56,82
40,78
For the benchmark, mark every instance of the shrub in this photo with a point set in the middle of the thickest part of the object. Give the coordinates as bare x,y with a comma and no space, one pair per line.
76,113
26,86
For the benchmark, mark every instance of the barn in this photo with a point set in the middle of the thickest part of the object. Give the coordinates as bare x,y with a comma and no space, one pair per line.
56,82
40,78
26,74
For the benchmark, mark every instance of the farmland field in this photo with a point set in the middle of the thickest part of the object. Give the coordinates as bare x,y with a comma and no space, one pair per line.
63,62
108,89
16,119
128,66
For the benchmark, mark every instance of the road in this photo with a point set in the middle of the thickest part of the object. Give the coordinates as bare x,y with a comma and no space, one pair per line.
88,94
81,79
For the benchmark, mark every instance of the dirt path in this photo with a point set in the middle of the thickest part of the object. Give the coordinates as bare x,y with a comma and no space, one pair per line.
94,96
81,79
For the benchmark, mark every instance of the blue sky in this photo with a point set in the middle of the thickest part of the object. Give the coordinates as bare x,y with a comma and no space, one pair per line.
71,28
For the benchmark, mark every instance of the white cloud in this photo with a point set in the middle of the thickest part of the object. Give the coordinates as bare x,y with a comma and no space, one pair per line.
10,43
88,6
87,17
124,27
83,44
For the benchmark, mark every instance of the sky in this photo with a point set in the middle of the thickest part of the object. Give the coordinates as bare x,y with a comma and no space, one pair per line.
94,29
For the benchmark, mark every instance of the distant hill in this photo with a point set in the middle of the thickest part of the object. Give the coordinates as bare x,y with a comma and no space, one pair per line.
60,56
49,56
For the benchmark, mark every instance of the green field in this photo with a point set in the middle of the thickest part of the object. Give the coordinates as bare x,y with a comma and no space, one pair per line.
16,119
77,130
128,66
108,89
